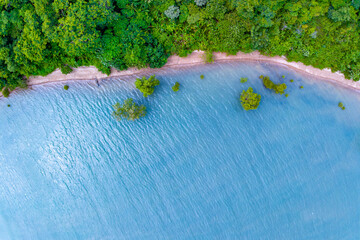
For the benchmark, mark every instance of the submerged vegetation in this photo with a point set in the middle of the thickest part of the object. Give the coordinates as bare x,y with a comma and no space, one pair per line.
146,86
128,110
278,88
243,80
250,100
202,76
36,37
341,105
66,87
176,87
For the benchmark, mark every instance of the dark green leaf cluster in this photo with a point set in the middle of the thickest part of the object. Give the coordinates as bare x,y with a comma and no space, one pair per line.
129,110
146,86
278,88
250,100
243,80
176,87
5,92
341,105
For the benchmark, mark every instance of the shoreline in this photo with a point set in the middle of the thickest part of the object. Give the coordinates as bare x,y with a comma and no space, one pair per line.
195,58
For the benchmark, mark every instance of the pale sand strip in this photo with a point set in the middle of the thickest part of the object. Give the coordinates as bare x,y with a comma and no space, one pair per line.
91,73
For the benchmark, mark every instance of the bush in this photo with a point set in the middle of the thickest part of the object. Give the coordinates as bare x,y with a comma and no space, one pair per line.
66,87
341,105
146,86
291,80
286,95
172,12
66,69
278,88
5,92
129,110
176,87
208,57
200,3
9,105
250,100
301,87
243,80
202,76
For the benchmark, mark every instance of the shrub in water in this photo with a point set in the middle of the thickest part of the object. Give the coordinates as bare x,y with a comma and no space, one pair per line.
202,76
66,87
176,87
128,110
278,88
243,80
146,86
250,100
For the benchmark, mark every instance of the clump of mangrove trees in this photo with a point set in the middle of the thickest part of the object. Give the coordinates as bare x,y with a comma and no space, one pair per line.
129,110
278,88
250,100
147,85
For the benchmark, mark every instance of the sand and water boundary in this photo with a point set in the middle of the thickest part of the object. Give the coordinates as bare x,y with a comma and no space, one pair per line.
195,58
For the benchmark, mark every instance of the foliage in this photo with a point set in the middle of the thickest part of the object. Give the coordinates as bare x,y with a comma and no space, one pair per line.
176,87
208,57
291,80
172,12
202,76
301,87
39,36
200,3
66,69
249,99
243,80
146,86
341,105
278,88
286,95
66,87
5,92
128,110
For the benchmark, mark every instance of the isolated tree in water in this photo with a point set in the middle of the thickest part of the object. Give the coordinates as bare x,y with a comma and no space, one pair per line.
249,99
129,110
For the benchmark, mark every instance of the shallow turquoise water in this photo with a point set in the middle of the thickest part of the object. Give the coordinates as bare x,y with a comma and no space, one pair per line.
196,167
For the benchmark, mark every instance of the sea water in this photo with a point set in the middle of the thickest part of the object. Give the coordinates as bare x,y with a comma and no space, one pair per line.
196,167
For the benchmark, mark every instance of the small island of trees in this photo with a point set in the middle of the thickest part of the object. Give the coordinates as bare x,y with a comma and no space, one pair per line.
176,87
278,88
146,86
128,110
250,100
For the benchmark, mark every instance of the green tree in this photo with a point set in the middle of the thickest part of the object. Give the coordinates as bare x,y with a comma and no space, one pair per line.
250,100
278,88
146,86
176,87
129,110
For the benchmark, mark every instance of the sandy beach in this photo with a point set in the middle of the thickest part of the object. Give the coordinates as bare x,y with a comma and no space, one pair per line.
195,58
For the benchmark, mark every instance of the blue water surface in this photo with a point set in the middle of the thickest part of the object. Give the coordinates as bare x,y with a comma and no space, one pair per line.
196,167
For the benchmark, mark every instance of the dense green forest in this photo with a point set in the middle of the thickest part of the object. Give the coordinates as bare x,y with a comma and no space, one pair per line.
38,36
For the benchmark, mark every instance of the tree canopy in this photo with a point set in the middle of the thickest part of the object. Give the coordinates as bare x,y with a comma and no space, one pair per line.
146,86
129,110
38,36
250,100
